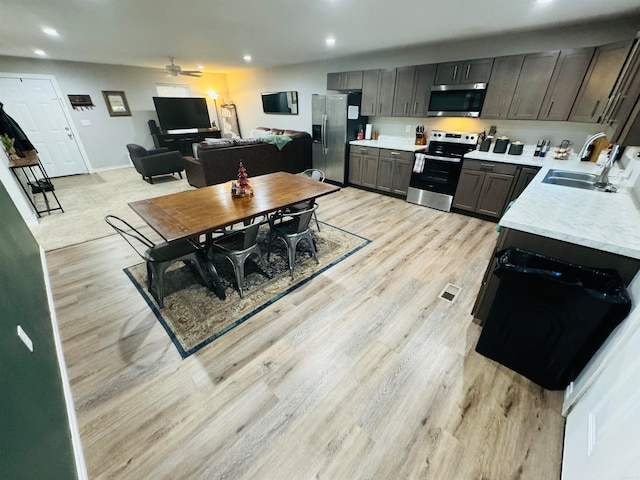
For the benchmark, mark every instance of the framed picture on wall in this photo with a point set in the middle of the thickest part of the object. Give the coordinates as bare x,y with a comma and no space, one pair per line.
116,103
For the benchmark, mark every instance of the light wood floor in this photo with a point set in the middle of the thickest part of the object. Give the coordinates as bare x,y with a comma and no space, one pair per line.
363,373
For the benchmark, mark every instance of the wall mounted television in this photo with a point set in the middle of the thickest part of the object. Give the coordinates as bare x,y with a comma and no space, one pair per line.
280,102
176,113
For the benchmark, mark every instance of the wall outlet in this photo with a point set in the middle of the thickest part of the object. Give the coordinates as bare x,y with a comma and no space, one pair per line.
407,129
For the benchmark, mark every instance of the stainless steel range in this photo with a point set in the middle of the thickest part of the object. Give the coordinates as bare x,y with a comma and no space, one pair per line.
436,169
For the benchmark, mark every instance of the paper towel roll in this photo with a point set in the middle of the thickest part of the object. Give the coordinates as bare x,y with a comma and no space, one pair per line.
367,132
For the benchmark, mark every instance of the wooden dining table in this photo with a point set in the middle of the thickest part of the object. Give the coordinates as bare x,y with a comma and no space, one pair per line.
192,213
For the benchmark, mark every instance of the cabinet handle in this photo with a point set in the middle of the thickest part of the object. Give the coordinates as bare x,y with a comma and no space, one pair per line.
515,112
380,109
476,185
455,72
395,153
486,167
406,107
363,150
608,111
595,107
614,109
466,75
550,107
373,109
415,107
603,116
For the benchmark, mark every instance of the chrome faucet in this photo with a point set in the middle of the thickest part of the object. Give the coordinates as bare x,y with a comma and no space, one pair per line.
584,150
602,182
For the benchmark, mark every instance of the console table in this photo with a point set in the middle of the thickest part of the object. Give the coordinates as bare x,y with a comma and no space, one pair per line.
183,141
36,179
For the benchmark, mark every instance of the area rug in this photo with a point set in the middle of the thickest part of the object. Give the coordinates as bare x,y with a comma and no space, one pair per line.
193,316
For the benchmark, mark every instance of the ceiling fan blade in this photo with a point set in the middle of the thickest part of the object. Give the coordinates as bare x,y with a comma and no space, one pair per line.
191,73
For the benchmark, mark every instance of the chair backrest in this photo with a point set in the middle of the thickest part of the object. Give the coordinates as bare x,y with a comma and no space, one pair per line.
132,236
302,218
136,151
313,173
249,232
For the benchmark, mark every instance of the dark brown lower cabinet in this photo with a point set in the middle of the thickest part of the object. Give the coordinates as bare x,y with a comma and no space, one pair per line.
394,171
524,178
363,166
484,187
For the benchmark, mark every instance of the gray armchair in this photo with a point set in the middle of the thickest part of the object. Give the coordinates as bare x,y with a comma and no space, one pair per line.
151,163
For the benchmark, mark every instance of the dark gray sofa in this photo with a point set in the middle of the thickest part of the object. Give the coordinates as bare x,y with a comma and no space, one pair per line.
219,164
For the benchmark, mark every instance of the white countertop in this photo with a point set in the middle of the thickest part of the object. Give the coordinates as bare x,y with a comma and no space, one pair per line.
526,158
393,143
600,220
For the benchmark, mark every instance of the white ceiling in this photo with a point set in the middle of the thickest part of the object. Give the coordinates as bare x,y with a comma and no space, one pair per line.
217,33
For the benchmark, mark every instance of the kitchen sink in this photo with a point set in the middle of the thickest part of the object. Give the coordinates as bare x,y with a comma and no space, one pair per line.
566,178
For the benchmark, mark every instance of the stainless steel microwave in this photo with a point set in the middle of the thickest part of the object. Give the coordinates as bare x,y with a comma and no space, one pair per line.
457,100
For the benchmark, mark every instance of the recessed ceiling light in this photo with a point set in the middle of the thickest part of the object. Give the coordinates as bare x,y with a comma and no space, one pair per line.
51,31
330,41
247,58
40,53
200,67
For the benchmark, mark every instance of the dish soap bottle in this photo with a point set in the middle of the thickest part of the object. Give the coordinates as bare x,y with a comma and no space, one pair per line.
360,135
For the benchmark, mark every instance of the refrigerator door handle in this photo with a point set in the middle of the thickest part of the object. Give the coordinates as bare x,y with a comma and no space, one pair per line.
324,133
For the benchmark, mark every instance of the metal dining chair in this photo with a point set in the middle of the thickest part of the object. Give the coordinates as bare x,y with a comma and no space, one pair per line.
237,245
291,227
315,174
158,257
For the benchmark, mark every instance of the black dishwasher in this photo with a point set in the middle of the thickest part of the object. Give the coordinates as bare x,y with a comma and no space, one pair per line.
549,317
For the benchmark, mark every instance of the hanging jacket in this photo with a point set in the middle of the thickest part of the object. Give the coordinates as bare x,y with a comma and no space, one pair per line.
9,126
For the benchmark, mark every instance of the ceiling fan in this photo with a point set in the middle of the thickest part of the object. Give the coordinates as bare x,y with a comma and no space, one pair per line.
176,70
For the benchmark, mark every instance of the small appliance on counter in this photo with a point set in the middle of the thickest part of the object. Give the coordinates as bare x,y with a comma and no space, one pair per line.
420,136
501,145
516,148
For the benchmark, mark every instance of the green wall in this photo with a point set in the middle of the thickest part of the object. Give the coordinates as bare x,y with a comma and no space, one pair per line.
35,440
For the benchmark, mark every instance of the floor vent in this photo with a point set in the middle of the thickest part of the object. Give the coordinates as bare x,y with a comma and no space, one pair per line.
450,292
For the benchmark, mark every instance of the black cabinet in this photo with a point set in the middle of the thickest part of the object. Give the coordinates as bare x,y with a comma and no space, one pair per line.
182,142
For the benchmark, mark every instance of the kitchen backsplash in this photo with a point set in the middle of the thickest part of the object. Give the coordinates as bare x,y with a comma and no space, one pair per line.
526,132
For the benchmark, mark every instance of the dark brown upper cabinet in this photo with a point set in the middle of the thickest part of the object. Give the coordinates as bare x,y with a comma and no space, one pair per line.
502,86
467,71
565,83
533,81
596,91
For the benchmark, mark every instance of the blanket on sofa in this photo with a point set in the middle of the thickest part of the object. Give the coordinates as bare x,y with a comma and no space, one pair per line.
278,140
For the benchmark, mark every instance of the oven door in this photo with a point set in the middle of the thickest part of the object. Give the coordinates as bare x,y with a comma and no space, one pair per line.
435,185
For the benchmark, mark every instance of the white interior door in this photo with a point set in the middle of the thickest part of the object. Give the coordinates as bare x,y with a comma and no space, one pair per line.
34,104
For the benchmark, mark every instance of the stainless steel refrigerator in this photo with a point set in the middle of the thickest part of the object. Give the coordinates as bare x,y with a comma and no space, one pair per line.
336,121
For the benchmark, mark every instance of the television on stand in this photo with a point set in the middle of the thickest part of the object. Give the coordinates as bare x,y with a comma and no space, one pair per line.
182,113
